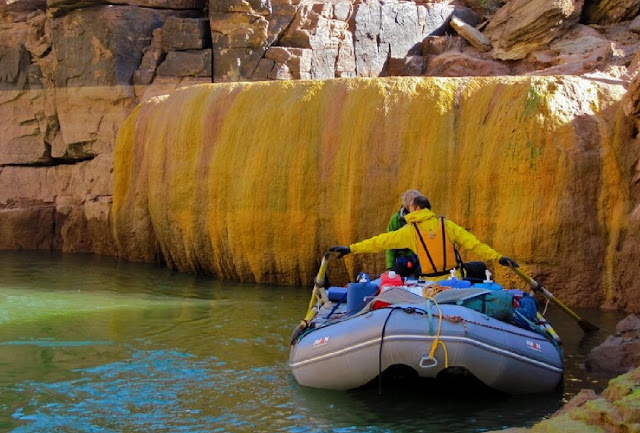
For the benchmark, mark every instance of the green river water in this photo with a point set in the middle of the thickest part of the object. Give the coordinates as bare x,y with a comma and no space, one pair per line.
93,344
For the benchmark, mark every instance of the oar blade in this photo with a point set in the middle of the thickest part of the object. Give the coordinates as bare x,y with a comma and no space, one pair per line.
587,326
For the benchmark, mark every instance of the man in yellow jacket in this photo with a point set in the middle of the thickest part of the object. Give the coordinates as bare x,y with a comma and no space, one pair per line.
435,241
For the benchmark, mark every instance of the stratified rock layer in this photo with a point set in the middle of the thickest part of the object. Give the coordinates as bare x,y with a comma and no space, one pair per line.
524,26
214,179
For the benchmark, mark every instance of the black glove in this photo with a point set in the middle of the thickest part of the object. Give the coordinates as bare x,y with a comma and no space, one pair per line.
342,251
506,261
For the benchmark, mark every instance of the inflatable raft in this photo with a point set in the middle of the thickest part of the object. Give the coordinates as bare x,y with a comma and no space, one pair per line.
429,329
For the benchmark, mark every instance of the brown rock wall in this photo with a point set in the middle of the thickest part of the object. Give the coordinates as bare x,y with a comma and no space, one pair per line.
64,207
28,226
63,6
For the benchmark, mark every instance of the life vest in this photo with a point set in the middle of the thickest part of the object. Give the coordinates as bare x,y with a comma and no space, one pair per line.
436,253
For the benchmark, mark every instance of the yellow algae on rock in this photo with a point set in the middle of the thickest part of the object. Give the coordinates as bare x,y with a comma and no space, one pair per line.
616,410
254,181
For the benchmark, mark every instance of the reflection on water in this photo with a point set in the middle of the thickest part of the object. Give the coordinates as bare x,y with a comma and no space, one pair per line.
91,344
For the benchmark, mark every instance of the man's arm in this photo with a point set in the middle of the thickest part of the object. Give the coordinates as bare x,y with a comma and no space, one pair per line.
399,239
468,242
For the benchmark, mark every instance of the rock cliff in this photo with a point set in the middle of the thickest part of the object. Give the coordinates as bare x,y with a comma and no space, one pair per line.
532,165
71,72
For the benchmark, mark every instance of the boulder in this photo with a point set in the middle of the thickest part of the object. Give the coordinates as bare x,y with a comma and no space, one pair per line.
459,64
632,97
414,66
435,45
25,124
521,27
14,56
27,226
620,352
152,56
615,410
280,18
294,63
22,5
316,27
609,11
38,41
192,63
95,52
577,52
25,127
345,66
260,7
185,34
485,7
635,25
239,41
475,37
385,33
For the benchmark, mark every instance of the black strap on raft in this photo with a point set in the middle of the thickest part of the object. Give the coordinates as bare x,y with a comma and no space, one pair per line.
384,326
342,299
459,261
444,242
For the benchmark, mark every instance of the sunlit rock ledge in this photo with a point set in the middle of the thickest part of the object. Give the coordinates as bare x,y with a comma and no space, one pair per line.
254,181
615,410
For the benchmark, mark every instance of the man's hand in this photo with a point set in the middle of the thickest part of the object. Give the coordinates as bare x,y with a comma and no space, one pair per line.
342,251
506,261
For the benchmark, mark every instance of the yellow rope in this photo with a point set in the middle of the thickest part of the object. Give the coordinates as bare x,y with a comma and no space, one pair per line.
430,291
437,341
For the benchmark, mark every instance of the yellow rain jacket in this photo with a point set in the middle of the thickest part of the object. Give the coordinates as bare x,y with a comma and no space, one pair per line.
428,223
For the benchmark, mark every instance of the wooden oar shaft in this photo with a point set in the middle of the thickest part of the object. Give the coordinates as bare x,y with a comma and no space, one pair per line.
318,292
319,281
559,303
536,287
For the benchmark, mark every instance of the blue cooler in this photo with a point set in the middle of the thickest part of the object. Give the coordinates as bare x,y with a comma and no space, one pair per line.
337,294
488,286
356,294
455,284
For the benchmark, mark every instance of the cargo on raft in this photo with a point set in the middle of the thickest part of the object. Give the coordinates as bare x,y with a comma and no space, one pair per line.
352,335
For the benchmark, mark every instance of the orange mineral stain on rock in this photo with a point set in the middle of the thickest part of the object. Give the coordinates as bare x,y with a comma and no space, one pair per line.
254,181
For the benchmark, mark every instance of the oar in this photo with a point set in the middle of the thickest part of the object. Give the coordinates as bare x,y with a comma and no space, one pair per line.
538,288
318,294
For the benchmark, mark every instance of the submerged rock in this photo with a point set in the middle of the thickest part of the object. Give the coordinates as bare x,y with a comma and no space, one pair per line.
620,352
